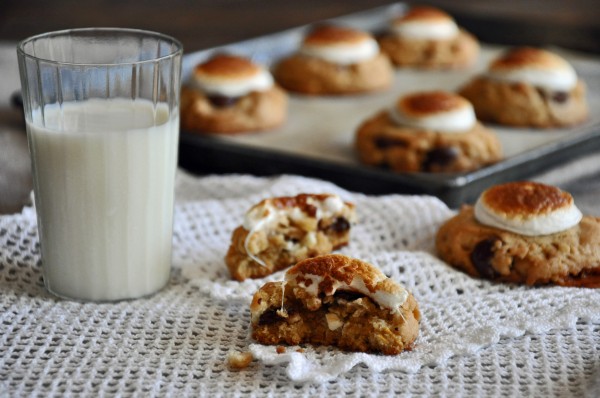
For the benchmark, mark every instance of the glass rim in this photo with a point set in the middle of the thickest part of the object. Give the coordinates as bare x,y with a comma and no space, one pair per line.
64,32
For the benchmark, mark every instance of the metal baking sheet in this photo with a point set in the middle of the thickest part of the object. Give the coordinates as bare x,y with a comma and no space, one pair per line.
317,138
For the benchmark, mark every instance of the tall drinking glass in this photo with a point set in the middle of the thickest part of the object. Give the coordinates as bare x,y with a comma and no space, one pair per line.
102,114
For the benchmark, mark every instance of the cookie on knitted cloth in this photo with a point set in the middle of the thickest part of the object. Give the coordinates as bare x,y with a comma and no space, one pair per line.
336,300
279,232
524,232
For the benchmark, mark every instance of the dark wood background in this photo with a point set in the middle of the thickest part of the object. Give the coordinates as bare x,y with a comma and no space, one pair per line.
201,24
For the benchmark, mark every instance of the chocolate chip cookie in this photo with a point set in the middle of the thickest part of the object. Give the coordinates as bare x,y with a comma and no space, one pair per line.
229,94
529,87
335,60
336,300
550,246
279,232
415,136
428,38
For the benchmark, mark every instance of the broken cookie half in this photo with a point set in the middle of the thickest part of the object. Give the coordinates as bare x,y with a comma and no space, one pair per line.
336,300
279,232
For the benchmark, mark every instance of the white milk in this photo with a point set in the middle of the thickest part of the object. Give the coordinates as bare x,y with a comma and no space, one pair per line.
104,182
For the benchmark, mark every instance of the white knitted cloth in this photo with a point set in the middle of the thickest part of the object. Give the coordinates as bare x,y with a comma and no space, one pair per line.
476,338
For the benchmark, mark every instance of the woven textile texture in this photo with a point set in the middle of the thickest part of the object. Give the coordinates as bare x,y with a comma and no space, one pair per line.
477,338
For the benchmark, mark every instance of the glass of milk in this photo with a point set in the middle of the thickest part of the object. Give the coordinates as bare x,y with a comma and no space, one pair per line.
102,114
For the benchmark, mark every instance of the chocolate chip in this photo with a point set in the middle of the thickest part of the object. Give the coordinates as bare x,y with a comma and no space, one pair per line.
560,96
482,256
387,142
269,317
439,157
222,101
347,295
340,225
459,291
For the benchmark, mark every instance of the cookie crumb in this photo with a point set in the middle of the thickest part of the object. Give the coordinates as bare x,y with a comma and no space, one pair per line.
300,350
239,360
280,349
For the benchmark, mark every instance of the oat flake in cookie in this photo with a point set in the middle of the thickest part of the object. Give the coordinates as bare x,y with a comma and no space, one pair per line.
524,232
279,232
528,87
336,300
429,131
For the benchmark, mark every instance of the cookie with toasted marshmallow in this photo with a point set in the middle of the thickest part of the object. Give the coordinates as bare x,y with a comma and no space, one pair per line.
335,60
524,232
336,300
279,232
531,87
231,94
429,131
426,37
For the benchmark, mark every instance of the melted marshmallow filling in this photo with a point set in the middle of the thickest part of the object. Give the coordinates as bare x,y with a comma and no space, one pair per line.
455,121
559,79
235,87
343,54
538,225
267,216
426,30
388,300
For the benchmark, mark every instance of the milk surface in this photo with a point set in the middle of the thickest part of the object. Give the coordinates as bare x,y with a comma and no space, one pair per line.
104,174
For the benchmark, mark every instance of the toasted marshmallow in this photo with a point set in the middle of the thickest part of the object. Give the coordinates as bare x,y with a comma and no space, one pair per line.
426,23
527,208
434,110
339,45
270,213
534,66
231,76
324,275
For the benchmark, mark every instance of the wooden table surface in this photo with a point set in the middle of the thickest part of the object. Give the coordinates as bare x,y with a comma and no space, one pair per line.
201,24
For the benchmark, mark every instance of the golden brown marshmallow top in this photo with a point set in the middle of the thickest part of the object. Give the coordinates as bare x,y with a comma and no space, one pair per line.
430,102
227,66
525,198
527,208
537,67
439,111
324,275
520,57
330,34
425,14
